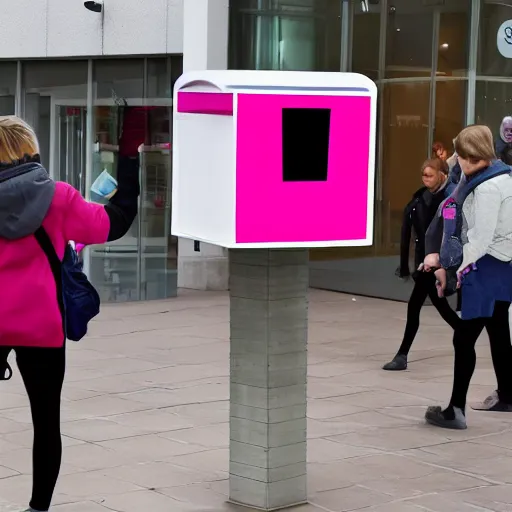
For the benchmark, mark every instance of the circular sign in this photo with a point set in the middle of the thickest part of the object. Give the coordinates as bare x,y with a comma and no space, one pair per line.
504,39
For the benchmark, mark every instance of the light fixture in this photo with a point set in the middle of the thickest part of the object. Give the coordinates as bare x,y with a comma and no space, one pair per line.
364,6
94,5
398,30
444,46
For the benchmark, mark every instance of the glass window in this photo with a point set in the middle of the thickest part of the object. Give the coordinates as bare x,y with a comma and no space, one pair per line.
410,28
493,103
122,78
450,112
405,136
453,44
132,107
8,74
130,111
54,97
366,39
293,35
162,74
490,61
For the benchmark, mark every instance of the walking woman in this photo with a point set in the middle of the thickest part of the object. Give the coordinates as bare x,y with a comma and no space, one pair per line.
417,217
477,248
30,310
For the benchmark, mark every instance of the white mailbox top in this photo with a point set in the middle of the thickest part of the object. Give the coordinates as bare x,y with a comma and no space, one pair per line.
247,81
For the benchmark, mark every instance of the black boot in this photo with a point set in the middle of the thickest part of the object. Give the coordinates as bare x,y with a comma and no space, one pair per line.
398,364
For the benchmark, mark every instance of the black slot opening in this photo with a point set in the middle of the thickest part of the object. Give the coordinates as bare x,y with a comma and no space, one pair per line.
306,143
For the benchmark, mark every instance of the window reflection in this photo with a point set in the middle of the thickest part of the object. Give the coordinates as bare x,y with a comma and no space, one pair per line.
47,87
8,75
410,25
453,44
365,40
490,60
293,35
493,103
142,265
405,135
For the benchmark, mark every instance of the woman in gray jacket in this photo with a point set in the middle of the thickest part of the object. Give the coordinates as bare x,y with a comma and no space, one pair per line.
477,247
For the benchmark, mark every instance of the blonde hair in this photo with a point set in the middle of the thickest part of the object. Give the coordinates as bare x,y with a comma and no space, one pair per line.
475,143
17,140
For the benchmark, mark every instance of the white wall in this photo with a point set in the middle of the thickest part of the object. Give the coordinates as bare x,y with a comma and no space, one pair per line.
205,47
64,28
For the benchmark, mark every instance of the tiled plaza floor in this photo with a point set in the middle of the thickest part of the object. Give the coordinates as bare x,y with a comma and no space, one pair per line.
145,415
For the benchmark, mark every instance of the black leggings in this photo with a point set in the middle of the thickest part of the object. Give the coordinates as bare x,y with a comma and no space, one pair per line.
424,286
464,341
42,370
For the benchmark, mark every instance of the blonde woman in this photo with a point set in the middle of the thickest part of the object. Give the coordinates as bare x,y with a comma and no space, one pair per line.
32,316
476,252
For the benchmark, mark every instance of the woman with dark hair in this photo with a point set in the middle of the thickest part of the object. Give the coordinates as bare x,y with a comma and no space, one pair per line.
439,151
417,217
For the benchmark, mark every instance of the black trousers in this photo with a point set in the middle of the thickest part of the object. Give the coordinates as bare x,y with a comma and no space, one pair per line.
464,341
424,286
42,370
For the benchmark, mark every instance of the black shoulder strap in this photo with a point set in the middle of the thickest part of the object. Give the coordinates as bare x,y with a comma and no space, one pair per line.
46,245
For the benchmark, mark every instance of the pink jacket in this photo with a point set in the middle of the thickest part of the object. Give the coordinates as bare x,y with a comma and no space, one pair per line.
29,311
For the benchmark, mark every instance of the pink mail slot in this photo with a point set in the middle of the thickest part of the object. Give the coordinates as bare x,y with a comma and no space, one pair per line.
220,104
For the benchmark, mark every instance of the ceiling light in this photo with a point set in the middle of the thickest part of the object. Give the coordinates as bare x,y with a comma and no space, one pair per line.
445,46
364,6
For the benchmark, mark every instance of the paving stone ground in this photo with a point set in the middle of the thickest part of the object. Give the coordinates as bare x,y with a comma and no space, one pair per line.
145,415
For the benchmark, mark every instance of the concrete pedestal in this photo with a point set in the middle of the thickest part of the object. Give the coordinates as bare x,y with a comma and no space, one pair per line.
269,322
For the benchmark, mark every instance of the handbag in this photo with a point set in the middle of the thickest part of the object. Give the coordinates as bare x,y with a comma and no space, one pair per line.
452,251
79,301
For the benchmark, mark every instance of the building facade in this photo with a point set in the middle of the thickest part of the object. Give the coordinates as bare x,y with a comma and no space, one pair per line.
438,64
71,73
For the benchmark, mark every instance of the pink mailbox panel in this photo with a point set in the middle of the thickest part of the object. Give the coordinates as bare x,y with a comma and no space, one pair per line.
275,205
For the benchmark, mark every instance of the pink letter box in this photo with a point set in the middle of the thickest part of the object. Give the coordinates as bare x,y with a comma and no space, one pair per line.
274,159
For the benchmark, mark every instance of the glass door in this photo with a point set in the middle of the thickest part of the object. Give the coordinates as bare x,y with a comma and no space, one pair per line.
143,264
71,157
417,53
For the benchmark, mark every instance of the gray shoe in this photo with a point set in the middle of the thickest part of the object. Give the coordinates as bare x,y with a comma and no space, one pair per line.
493,403
398,364
434,416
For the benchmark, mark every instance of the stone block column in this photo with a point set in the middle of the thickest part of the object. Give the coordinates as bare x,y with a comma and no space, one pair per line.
269,322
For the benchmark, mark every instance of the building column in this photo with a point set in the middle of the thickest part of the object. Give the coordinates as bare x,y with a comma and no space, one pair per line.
269,322
205,46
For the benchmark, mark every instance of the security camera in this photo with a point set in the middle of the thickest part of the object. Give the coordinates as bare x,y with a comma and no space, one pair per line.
94,5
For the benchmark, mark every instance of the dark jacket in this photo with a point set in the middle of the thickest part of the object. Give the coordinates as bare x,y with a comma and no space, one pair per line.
504,151
418,215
